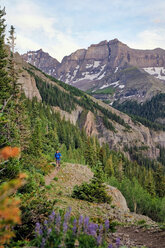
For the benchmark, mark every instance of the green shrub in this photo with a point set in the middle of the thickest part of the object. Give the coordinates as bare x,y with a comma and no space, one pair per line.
95,191
10,169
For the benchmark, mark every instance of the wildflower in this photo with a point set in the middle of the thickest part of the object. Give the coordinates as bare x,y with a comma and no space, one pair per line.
106,225
110,246
43,242
58,222
65,227
118,242
67,216
52,216
101,230
45,222
99,240
80,220
38,229
86,223
92,228
74,226
49,231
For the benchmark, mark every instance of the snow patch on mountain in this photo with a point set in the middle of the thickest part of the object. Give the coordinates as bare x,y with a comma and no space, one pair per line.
158,72
121,86
96,64
115,84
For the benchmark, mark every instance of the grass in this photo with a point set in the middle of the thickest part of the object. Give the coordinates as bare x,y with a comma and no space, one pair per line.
108,90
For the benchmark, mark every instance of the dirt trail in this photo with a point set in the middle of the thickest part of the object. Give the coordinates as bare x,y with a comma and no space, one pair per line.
137,236
50,177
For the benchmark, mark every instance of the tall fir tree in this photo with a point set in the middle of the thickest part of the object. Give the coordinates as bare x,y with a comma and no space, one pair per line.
5,83
5,80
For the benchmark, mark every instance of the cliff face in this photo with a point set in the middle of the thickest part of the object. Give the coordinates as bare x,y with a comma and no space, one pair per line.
129,73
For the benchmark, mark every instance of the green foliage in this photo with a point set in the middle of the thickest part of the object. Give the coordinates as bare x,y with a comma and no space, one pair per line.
147,113
5,85
53,96
108,124
108,90
95,191
9,169
138,199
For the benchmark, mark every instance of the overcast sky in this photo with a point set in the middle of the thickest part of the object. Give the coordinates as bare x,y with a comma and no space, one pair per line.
60,27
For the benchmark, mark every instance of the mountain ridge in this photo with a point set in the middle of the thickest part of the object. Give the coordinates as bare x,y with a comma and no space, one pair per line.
107,65
94,124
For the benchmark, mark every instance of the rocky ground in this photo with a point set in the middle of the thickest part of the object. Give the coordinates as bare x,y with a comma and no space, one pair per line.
133,229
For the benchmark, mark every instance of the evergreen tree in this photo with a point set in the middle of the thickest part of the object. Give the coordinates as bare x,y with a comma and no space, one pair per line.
5,85
149,183
12,69
109,167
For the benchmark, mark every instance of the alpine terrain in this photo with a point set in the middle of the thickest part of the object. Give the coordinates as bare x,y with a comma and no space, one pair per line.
107,189
109,70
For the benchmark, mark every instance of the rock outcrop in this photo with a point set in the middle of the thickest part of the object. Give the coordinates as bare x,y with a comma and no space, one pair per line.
118,199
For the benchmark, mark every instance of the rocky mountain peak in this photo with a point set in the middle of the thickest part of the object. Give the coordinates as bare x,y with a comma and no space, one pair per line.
109,65
43,61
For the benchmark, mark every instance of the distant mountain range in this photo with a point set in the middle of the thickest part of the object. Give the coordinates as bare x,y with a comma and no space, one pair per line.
109,71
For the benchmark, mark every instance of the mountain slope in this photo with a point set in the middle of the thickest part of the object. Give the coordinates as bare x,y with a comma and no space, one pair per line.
99,119
113,71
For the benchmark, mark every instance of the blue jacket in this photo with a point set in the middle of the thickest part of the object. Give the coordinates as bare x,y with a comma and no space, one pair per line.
57,156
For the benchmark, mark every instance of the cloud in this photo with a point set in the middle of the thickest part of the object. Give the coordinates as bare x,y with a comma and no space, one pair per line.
149,39
36,29
61,27
25,44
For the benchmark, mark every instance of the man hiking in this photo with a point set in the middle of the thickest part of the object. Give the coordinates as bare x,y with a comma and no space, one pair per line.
57,157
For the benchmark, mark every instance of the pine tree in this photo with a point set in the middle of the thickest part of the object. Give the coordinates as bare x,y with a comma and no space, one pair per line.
5,85
109,167
150,184
12,70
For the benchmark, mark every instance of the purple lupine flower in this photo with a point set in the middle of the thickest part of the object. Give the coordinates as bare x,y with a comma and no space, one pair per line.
65,227
58,222
67,216
74,226
38,229
100,229
92,228
110,246
49,231
43,242
99,240
45,222
93,233
52,216
80,220
86,223
106,225
118,242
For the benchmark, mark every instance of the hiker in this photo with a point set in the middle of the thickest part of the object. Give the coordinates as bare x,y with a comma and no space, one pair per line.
57,157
